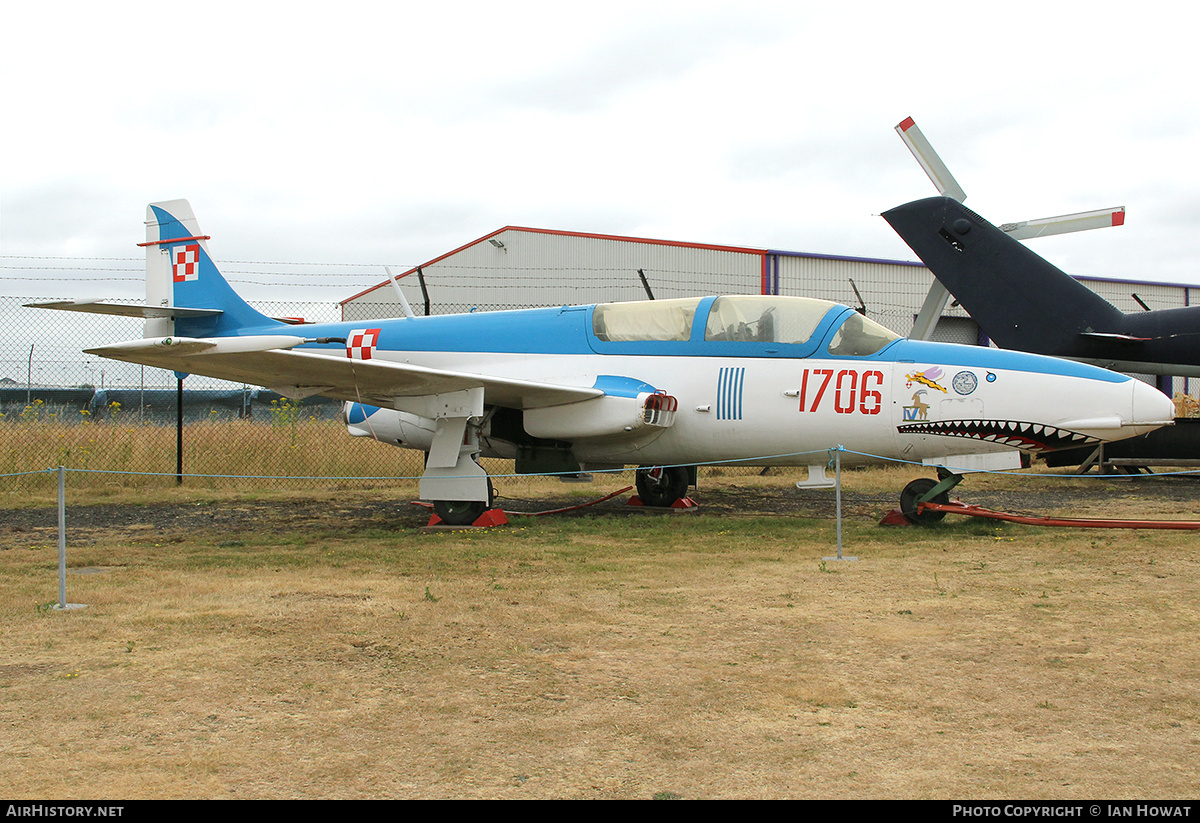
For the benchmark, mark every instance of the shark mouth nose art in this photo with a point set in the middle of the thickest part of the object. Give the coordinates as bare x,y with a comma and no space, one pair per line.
1019,435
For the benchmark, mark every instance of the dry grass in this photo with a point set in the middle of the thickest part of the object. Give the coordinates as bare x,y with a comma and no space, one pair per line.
332,655
125,451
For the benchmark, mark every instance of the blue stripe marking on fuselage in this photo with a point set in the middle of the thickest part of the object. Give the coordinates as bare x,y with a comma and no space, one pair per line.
737,395
730,382
558,331
983,357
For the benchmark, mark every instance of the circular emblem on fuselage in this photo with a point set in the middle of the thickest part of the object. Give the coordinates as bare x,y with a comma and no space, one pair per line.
965,382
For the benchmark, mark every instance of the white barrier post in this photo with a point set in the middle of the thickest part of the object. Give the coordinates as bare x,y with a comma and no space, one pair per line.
837,474
62,543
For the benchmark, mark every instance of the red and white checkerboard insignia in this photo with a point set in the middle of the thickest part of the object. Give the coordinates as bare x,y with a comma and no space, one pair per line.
185,263
361,343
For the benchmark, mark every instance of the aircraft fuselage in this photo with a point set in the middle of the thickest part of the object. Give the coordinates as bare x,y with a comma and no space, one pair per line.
771,403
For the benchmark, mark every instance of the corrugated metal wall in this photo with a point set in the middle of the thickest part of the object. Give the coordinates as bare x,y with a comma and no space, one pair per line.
892,291
1156,295
548,269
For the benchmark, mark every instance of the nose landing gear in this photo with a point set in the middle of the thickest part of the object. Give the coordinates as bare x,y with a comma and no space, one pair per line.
927,490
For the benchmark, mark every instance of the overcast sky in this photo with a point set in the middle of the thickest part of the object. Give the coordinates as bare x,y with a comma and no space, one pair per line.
393,132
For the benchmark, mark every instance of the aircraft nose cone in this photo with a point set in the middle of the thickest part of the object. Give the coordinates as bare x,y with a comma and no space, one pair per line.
1151,408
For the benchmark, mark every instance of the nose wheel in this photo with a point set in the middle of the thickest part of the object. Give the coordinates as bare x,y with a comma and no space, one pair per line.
660,486
927,490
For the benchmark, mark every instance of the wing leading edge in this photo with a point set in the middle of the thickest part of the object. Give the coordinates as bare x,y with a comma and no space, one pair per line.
272,361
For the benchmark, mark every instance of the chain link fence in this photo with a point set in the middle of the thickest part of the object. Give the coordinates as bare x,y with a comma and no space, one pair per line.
59,406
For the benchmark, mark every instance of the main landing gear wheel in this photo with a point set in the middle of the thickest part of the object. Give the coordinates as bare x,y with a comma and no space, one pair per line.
908,501
463,512
661,486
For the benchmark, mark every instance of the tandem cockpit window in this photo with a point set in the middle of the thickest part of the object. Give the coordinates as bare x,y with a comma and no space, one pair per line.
859,337
652,320
738,319
766,319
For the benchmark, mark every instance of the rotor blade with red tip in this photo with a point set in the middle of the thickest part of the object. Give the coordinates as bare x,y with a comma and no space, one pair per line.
929,160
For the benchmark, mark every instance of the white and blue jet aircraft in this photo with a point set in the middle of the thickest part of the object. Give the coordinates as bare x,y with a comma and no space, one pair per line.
666,384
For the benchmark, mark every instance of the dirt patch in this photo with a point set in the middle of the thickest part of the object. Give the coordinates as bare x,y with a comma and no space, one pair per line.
1157,497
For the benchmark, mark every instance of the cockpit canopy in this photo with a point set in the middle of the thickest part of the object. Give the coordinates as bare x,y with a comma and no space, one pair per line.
669,320
766,319
739,319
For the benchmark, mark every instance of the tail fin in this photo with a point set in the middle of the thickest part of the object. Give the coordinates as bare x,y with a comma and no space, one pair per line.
1019,300
180,273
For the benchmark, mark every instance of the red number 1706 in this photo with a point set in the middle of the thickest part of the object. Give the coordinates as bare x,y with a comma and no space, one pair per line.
850,390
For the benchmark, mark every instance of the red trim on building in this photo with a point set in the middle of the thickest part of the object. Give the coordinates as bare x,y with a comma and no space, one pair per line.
647,241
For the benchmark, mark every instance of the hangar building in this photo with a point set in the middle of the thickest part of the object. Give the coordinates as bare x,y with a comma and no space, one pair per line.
518,267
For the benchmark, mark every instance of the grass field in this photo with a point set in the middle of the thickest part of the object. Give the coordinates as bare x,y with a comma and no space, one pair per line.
323,646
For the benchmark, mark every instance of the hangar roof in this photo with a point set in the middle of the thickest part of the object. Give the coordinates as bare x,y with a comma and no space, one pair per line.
748,250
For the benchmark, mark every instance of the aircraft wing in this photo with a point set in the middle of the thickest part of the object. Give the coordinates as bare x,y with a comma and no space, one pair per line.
269,360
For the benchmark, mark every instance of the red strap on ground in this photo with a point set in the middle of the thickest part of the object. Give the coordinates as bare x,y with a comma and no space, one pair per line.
1077,522
573,508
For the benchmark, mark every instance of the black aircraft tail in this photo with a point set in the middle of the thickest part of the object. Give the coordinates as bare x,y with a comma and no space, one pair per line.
1018,299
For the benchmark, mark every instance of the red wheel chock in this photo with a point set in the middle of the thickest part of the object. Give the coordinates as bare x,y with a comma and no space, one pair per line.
895,518
491,517
681,503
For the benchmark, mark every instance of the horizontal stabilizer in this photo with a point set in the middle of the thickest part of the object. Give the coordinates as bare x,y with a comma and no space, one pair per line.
123,309
1104,335
187,346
